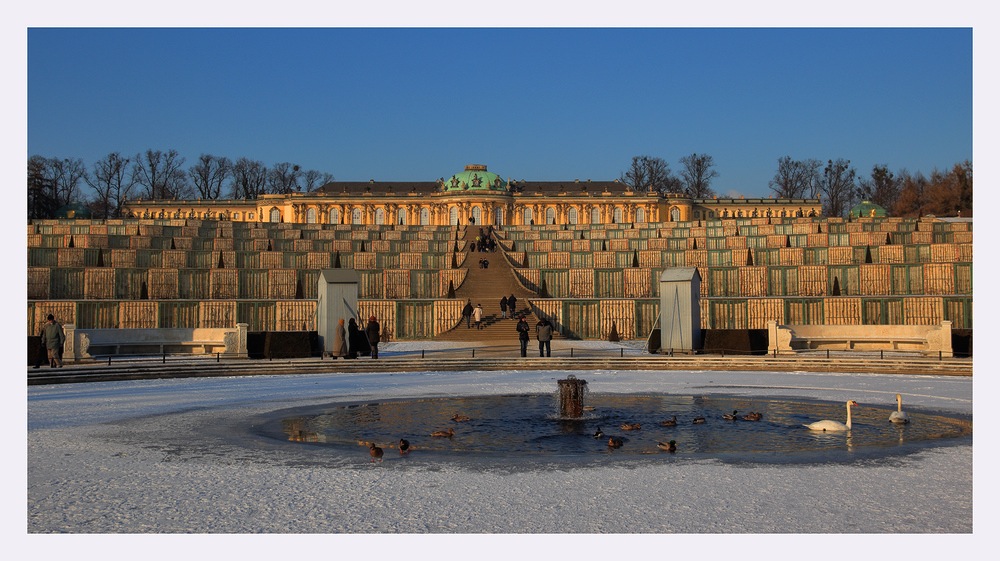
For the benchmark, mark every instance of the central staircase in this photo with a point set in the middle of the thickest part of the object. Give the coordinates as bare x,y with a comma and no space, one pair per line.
487,286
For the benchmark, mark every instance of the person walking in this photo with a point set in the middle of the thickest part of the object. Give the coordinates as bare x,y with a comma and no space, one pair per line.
372,331
503,308
512,305
543,331
477,316
53,337
467,314
522,335
339,341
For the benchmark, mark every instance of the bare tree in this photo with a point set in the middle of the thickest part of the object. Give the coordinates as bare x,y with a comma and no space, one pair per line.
41,189
313,179
697,175
881,188
649,175
283,178
112,179
795,178
160,174
838,186
208,175
249,178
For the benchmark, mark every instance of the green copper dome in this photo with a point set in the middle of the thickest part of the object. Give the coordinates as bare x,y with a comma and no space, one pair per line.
475,178
867,209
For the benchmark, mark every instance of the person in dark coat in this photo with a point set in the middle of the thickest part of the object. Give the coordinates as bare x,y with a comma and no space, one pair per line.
339,341
522,334
512,305
503,308
372,331
467,314
357,340
53,338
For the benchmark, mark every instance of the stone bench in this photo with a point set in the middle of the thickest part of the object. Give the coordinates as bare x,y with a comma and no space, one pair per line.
926,339
84,344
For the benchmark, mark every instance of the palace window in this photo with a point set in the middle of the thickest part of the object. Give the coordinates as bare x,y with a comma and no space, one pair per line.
550,215
401,216
310,216
425,217
572,216
335,216
595,216
275,215
675,214
477,214
380,216
640,215
453,215
356,217
617,215
528,218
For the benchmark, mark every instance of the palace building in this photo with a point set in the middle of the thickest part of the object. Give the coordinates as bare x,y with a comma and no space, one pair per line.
473,196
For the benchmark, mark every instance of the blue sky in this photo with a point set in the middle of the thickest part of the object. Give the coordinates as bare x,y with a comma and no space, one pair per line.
531,103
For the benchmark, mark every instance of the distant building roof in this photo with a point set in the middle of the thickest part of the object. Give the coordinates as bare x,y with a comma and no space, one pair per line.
867,209
74,210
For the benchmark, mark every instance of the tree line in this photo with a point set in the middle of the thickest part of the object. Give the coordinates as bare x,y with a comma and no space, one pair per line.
155,174
836,183
107,184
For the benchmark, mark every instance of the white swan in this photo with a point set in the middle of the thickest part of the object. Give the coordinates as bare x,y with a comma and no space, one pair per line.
833,426
899,416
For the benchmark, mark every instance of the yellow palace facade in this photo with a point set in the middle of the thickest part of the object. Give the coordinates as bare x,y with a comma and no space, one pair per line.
474,196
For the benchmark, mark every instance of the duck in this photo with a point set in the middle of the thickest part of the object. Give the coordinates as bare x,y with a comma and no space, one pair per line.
404,446
753,416
731,416
444,433
375,452
827,425
460,418
671,422
698,420
631,426
668,446
899,416
599,434
615,442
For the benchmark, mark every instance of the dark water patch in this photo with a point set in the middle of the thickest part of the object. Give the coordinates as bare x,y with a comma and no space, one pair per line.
529,429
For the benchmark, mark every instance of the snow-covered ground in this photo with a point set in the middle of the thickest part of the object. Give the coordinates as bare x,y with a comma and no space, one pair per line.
151,457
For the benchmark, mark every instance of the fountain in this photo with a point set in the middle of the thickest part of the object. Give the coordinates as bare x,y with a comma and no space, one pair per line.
514,427
571,392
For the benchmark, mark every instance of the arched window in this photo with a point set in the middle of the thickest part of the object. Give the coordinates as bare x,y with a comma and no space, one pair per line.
310,216
380,216
356,217
595,216
640,215
335,216
477,215
425,217
498,217
453,215
617,215
550,215
528,216
275,215
249,216
401,216
572,216
675,214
